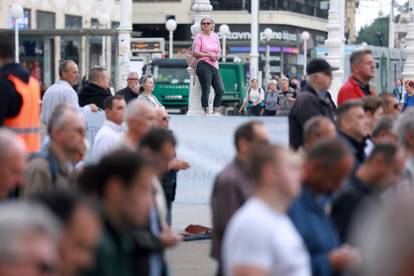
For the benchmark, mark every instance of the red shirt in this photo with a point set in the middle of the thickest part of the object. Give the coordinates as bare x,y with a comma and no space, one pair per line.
350,90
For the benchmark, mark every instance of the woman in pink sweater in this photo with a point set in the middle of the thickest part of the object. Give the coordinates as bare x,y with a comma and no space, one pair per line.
206,48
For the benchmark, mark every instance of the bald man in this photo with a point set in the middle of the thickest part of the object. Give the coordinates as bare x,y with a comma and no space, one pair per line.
162,118
140,118
132,90
12,162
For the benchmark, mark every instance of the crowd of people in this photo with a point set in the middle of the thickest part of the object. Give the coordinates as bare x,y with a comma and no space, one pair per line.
328,205
336,202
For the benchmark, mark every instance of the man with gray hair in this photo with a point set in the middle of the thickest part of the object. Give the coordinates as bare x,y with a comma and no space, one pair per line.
132,90
62,92
12,162
96,90
55,169
313,101
28,240
140,117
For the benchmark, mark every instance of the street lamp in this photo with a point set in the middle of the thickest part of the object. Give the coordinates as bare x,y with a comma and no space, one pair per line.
171,25
254,41
224,30
16,11
268,33
103,22
305,37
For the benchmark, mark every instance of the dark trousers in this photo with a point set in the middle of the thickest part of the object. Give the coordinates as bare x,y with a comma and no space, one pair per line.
209,75
269,113
254,110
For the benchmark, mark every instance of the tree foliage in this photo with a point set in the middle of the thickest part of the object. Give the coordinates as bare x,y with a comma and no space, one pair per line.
375,32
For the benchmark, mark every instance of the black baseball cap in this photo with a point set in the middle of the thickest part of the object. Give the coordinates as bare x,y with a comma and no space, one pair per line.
319,65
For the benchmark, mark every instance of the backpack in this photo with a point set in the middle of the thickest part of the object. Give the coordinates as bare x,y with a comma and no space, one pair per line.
189,56
51,161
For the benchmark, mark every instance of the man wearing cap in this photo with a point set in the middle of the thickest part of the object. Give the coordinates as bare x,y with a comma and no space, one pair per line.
362,71
313,101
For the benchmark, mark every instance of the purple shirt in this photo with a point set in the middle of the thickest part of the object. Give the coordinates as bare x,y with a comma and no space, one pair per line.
207,44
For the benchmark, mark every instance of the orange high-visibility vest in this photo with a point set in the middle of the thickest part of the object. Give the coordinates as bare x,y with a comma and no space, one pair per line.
27,123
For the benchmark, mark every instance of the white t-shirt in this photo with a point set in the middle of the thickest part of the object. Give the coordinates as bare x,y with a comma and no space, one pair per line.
254,95
257,236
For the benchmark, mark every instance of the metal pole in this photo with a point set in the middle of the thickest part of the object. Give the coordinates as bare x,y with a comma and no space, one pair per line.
104,52
224,48
16,40
267,63
282,65
254,42
391,30
170,55
305,56
124,41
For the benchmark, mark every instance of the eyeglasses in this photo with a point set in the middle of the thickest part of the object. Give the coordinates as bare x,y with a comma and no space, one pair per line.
206,23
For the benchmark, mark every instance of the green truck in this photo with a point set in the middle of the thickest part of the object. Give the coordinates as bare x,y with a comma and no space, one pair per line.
172,84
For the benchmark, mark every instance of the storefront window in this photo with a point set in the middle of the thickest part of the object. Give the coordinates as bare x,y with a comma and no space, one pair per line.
45,20
308,7
95,46
71,46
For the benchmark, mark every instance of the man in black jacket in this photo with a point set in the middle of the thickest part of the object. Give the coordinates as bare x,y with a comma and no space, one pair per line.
10,101
353,128
96,89
132,90
314,100
363,190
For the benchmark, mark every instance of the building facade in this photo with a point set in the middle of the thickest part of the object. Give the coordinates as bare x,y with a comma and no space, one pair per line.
287,18
55,30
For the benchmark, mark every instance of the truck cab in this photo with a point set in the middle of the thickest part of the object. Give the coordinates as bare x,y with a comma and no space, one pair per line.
172,83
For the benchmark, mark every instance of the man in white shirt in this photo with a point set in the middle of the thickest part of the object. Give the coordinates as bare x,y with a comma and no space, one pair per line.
260,239
107,138
63,92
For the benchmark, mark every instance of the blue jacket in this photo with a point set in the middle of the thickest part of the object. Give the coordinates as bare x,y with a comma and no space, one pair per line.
316,229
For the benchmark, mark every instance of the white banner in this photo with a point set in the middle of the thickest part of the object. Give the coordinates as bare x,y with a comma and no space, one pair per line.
207,144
